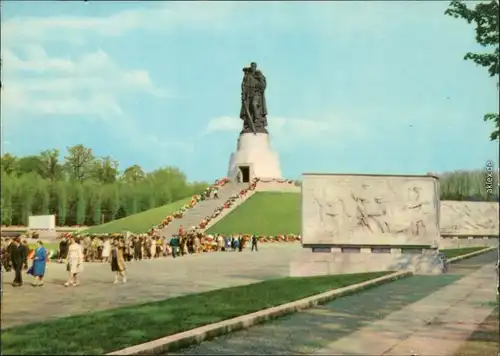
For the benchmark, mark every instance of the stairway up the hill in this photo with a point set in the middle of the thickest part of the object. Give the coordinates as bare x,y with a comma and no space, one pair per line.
192,217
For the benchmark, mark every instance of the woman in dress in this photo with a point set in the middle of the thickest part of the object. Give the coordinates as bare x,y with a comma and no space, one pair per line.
106,249
74,263
37,269
117,260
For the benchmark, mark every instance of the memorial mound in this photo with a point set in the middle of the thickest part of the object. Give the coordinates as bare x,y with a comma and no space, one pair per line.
265,213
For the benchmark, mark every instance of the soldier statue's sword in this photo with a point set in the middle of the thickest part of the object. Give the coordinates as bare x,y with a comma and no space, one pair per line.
249,117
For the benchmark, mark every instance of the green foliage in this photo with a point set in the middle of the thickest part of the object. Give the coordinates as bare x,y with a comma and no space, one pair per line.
455,252
265,213
84,189
467,185
62,202
138,223
81,204
485,16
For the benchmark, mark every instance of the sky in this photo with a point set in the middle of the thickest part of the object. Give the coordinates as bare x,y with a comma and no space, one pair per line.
352,87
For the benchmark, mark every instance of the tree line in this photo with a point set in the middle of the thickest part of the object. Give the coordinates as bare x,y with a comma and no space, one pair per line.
474,185
82,189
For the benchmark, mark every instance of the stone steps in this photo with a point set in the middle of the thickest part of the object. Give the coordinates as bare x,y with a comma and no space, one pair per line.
192,217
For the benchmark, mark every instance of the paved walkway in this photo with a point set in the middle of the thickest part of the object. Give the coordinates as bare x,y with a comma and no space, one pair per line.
424,315
148,280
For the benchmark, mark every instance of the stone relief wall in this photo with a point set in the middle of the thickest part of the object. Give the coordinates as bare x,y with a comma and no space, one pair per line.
464,218
370,210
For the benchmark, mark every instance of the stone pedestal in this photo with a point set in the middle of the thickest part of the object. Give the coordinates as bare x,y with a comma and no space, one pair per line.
254,158
322,261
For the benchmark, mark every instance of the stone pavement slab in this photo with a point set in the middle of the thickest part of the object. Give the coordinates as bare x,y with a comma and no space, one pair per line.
148,280
435,325
314,330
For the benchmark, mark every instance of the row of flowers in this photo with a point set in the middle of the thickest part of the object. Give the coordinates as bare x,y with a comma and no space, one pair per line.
179,214
230,202
227,204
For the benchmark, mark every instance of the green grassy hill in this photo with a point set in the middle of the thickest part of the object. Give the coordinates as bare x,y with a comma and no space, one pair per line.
266,213
140,222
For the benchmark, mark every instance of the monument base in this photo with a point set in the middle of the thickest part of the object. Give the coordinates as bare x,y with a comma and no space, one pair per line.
322,261
254,158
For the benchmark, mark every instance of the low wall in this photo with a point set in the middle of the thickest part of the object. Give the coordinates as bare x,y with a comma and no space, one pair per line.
461,241
469,218
322,261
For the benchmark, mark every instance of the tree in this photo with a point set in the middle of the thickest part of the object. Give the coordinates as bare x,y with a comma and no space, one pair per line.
29,164
110,201
486,18
50,167
8,163
80,204
27,193
104,170
133,174
7,197
79,161
62,203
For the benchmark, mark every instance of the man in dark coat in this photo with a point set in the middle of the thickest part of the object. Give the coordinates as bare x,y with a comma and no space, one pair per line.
254,243
17,256
63,249
27,251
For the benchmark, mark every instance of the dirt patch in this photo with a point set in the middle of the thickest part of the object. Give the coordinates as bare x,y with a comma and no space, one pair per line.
485,340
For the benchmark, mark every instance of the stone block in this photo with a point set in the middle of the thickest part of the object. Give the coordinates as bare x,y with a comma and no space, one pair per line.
469,218
347,209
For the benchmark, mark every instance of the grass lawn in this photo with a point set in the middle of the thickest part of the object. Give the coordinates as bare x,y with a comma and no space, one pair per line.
110,330
455,252
484,340
266,213
138,223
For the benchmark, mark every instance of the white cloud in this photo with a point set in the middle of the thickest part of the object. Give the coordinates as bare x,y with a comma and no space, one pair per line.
81,29
92,84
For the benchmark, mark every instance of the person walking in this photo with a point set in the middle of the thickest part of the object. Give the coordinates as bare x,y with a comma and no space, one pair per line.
118,260
6,248
74,264
63,250
26,254
174,244
17,258
254,243
137,248
106,249
39,265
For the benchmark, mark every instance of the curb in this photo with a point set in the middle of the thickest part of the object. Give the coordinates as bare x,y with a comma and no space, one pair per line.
472,254
196,336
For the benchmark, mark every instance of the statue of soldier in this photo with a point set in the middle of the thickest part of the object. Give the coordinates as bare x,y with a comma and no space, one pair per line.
253,102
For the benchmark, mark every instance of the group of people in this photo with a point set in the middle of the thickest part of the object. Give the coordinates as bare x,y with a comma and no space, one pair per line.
143,246
15,256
